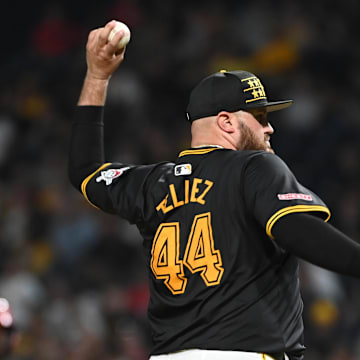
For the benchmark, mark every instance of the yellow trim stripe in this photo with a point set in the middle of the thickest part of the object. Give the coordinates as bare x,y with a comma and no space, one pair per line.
249,78
197,151
266,357
293,209
86,181
252,88
258,98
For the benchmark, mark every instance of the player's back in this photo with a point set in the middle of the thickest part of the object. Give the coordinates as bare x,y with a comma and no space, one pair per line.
217,281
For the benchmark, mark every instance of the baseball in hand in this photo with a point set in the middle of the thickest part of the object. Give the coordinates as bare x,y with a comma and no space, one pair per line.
125,39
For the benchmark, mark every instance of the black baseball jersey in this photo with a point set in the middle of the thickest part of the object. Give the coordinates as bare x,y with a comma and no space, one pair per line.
218,279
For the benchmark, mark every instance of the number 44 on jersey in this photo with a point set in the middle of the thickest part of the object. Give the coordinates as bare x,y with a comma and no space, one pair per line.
200,255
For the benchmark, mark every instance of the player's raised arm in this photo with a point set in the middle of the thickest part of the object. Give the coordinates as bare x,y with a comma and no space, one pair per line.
103,58
111,187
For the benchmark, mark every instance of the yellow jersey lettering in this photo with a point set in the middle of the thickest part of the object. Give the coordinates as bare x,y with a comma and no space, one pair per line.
174,197
200,199
190,194
163,205
201,256
187,186
195,189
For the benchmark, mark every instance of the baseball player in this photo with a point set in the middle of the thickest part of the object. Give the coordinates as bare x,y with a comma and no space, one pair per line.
222,225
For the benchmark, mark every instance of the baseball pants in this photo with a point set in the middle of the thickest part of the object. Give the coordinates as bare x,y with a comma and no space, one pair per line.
197,354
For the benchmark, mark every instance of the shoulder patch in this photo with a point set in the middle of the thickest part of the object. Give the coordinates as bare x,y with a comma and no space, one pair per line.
295,196
182,169
109,175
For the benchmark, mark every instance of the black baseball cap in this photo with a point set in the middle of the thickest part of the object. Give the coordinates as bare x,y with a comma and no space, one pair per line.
230,91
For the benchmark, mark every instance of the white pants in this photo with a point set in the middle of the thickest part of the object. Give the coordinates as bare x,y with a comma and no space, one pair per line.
196,354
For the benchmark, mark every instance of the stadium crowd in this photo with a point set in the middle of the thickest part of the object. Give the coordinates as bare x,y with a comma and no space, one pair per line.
75,280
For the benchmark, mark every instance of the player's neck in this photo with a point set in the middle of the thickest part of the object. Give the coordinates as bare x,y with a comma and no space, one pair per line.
211,136
198,143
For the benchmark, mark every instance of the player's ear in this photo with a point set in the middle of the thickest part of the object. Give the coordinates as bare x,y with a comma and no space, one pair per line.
226,121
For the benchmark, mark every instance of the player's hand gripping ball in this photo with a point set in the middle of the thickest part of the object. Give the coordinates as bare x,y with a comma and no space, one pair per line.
125,39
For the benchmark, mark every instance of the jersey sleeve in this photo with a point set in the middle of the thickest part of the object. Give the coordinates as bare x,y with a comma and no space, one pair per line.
118,189
271,191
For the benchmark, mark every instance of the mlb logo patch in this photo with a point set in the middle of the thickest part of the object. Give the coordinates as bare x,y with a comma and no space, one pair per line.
182,169
109,175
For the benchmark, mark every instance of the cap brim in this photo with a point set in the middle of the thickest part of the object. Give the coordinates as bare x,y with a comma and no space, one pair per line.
274,105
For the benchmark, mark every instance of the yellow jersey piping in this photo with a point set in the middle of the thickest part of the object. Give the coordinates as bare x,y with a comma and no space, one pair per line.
197,151
293,209
86,181
266,357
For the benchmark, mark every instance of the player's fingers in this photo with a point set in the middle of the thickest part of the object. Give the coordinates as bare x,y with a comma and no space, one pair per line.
112,46
105,32
92,37
93,34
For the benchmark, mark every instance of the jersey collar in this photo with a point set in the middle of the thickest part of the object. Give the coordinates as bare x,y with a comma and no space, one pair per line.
201,150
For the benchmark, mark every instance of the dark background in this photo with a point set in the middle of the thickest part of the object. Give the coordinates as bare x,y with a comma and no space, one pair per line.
75,277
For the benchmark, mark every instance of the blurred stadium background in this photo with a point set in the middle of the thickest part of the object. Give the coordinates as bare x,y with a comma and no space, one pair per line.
74,277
